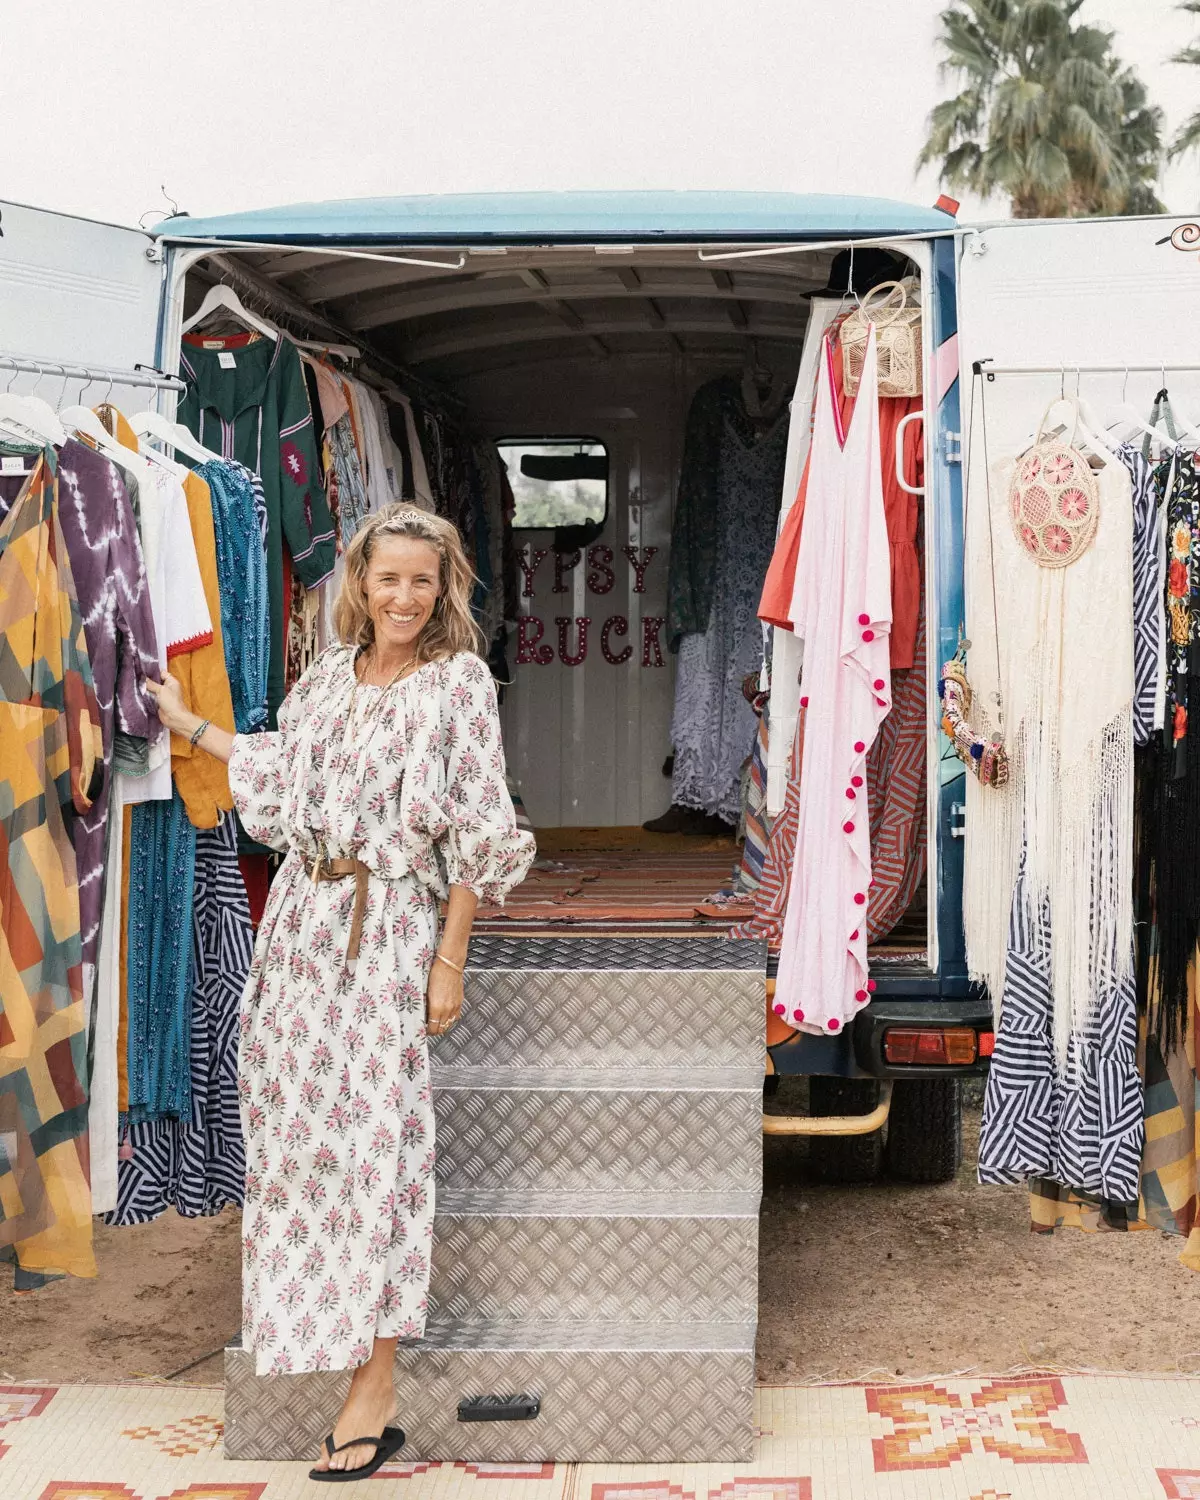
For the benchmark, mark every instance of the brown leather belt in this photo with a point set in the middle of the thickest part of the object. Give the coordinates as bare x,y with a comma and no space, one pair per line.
324,868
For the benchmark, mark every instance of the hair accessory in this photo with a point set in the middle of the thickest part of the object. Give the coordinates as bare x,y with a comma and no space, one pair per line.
988,758
199,731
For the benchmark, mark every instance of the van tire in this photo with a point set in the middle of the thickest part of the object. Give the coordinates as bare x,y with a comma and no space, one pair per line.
844,1158
924,1130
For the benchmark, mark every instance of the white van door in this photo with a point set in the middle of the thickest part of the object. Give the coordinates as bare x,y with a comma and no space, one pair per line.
76,292
1090,301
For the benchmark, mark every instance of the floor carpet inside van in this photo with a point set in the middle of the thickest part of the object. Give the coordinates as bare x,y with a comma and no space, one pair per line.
612,880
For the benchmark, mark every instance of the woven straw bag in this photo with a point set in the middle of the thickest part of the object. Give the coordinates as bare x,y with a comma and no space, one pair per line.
1054,499
895,309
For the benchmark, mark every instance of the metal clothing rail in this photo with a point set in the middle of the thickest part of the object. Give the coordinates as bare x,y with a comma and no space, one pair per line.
990,370
141,375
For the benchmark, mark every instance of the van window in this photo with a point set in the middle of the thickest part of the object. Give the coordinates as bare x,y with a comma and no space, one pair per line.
557,481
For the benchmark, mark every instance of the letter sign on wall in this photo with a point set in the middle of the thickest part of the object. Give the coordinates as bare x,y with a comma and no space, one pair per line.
532,647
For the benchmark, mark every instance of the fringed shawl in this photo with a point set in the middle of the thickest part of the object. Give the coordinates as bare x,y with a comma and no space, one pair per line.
1062,661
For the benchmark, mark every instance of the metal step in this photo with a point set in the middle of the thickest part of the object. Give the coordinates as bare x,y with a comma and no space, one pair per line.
609,1393
624,1129
592,1002
557,1257
599,1165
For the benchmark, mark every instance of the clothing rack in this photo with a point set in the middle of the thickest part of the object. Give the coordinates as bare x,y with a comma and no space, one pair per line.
146,376
989,369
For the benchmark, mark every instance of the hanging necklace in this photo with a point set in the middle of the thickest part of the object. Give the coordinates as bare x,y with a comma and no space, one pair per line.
386,687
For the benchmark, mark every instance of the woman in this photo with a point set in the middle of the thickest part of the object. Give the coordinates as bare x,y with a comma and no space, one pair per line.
384,784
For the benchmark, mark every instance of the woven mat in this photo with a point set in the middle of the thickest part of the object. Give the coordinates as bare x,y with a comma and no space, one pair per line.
1027,1437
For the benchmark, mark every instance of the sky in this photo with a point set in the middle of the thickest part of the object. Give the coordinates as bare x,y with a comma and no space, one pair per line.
237,104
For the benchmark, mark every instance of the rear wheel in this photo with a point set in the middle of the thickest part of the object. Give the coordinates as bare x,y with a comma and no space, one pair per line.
844,1158
924,1131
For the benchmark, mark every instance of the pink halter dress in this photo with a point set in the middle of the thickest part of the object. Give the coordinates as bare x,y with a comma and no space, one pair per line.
842,609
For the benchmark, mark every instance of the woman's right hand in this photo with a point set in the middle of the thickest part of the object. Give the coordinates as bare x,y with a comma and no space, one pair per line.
168,697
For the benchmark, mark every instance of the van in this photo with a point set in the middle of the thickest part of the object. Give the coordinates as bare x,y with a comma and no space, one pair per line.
572,329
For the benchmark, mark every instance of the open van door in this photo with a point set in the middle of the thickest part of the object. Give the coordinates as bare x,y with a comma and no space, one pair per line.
1106,307
74,293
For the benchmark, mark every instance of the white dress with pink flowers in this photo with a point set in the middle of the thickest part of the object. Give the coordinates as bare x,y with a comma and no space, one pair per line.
334,1072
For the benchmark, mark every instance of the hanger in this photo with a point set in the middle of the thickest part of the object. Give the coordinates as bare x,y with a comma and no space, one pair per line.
152,424
1126,414
223,296
30,416
1094,430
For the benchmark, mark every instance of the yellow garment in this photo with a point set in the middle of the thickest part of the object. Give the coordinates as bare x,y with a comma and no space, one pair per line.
202,779
50,741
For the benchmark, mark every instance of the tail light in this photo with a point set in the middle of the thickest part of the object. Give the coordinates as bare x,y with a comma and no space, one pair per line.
929,1047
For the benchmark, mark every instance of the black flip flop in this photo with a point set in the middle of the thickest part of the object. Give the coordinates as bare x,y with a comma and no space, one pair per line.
386,1445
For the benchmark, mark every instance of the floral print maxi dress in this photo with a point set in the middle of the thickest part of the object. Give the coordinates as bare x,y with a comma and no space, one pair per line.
334,1072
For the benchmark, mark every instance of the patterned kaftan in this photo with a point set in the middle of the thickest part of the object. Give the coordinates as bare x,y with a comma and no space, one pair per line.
713,727
334,1075
50,746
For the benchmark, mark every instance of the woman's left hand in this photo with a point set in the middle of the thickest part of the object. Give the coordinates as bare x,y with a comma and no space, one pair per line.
444,998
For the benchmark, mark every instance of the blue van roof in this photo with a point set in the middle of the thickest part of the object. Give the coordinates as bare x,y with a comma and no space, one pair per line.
476,218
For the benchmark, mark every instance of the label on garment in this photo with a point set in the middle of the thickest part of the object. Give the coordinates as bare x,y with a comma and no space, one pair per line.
13,464
226,360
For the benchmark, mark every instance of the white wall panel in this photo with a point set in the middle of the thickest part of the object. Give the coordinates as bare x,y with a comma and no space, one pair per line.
587,743
79,292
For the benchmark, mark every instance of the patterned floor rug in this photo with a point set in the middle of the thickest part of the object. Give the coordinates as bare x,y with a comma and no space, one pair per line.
1024,1437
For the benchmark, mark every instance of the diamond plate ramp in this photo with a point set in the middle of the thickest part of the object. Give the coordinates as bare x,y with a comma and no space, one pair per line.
539,1017
608,1395
602,1129
599,1164
513,1257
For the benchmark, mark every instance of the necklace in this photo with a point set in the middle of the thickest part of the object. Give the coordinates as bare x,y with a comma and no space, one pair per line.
374,708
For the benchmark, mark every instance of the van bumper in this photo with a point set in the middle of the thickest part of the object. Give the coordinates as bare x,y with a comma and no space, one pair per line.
858,1051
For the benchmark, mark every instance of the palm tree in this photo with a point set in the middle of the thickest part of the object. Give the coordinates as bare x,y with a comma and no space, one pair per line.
1046,113
1187,137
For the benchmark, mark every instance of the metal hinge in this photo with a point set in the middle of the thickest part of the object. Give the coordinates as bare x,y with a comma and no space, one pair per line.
958,820
953,447
154,254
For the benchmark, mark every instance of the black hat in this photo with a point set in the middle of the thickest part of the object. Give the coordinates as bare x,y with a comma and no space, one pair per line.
871,266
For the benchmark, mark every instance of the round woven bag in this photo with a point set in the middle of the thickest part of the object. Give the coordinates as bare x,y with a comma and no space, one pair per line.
1054,502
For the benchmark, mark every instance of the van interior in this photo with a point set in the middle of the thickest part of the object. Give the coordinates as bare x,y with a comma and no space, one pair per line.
580,361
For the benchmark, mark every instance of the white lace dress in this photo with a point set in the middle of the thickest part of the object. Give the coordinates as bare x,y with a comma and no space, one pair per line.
713,726
333,1071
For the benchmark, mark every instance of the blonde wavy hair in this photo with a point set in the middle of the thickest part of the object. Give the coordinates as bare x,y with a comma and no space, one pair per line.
451,627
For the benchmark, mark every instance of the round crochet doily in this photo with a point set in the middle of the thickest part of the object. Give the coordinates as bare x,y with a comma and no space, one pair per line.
1054,504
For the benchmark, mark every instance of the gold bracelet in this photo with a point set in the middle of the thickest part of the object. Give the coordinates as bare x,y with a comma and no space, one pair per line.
449,962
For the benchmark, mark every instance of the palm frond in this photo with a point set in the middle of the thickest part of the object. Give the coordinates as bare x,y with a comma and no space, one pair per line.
1186,138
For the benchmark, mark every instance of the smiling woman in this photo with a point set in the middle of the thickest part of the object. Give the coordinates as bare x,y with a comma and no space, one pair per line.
385,786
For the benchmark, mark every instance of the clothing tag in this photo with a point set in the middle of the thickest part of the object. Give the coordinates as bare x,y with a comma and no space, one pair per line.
13,464
226,360
213,344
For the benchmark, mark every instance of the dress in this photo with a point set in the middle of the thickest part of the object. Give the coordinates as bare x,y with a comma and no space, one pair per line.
713,727
1055,845
842,611
256,410
50,746
333,1070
